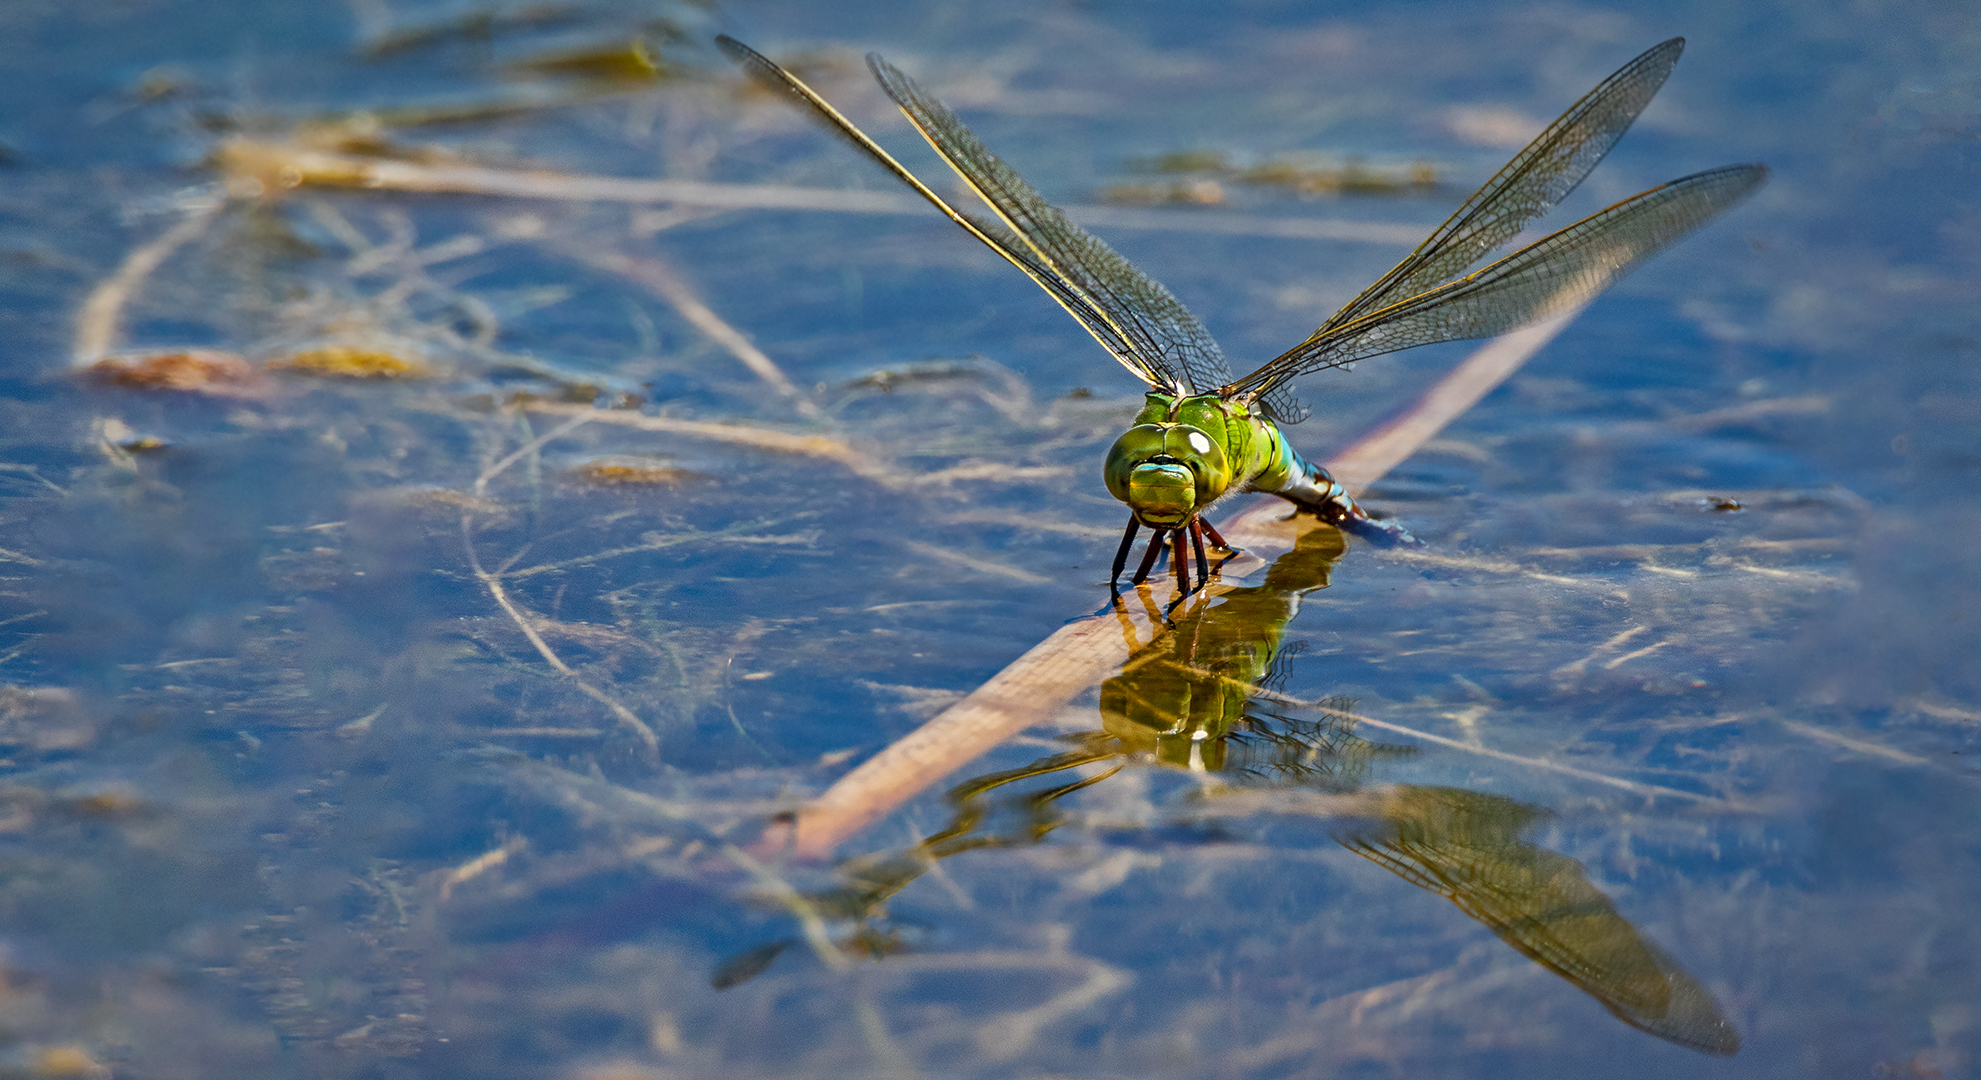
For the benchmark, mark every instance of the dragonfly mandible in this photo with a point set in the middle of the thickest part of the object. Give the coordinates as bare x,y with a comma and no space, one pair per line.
1201,434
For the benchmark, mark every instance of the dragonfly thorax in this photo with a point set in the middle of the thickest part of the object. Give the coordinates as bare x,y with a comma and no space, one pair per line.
1166,472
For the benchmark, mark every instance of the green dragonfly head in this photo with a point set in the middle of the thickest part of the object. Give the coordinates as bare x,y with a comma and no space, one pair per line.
1166,472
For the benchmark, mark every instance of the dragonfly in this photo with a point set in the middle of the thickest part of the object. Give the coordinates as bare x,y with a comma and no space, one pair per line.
1201,434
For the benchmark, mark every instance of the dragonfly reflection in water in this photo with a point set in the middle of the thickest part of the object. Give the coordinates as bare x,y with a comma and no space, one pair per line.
1202,434
1200,697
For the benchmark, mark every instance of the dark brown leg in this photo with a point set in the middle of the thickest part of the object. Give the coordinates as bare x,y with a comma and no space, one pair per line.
1197,542
1155,548
1215,538
1121,553
1180,542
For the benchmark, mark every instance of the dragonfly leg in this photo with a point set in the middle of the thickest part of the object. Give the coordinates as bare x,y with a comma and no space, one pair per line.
1148,560
1180,541
1197,541
1121,553
1212,533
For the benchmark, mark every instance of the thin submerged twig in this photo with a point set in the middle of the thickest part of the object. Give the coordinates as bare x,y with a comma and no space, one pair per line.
98,322
661,279
733,535
529,448
819,446
492,582
33,472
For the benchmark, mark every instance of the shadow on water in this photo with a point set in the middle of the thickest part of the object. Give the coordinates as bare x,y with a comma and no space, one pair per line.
1203,698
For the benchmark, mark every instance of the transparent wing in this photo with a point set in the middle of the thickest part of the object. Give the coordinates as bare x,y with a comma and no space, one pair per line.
994,236
1535,180
1161,333
1552,275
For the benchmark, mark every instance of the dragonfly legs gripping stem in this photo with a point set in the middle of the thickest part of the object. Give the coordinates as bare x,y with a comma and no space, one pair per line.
1180,543
1212,534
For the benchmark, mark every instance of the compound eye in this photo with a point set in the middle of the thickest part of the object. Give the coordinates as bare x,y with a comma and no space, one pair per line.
1200,442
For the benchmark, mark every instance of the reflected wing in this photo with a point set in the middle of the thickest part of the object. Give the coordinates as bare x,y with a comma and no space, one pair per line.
1162,333
1133,317
1465,847
1537,178
1548,277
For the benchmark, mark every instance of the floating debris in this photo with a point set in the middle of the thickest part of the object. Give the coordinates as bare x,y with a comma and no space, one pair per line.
1309,178
1350,178
201,371
625,61
1192,193
633,472
68,1061
572,393
427,496
352,362
888,380
472,26
1187,161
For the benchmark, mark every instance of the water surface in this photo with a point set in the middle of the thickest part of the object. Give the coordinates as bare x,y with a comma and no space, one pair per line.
291,791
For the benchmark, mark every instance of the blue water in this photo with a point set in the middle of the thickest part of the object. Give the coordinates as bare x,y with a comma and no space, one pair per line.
285,791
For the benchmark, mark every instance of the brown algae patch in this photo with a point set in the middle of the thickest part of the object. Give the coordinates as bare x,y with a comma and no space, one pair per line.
197,371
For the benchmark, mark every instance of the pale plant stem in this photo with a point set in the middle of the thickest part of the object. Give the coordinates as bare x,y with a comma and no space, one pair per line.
577,420
819,446
324,169
98,323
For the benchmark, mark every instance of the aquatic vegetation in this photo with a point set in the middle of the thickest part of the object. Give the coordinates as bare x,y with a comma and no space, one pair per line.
207,371
1205,174
619,61
633,472
352,362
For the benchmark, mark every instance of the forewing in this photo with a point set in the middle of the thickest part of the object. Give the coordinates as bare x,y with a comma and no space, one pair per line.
1534,181
994,236
1162,335
1561,271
